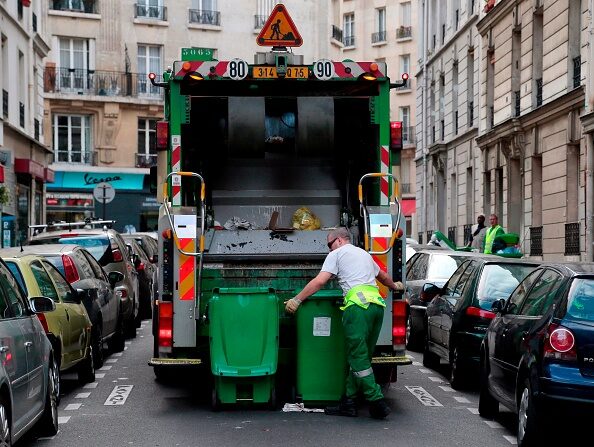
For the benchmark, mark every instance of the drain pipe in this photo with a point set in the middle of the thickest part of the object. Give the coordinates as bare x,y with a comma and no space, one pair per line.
425,111
590,144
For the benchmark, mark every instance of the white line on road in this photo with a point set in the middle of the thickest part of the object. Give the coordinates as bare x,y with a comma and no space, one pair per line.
511,439
436,379
99,375
493,424
462,400
123,378
473,410
116,354
82,396
90,386
410,356
417,364
72,407
425,370
128,342
423,396
111,360
447,389
104,368
63,419
119,395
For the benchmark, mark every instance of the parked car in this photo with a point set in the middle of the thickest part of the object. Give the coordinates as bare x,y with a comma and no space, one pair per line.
28,370
147,243
458,316
433,265
68,327
83,271
538,353
147,277
109,249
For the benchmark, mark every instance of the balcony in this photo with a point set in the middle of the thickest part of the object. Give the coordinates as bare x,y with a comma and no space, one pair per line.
535,241
204,17
259,21
84,6
4,104
467,233
80,157
336,33
538,92
429,233
349,41
470,113
101,83
146,160
572,239
408,135
405,188
420,237
404,32
452,234
378,37
142,11
517,98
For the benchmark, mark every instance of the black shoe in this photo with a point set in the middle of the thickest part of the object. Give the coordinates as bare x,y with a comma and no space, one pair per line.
379,409
346,407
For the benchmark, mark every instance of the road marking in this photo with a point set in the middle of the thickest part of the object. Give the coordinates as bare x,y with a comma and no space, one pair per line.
473,410
447,389
119,395
63,419
82,396
423,396
90,386
417,364
425,371
99,375
462,400
126,348
123,378
511,439
436,379
117,354
72,407
128,342
111,360
410,356
493,424
104,368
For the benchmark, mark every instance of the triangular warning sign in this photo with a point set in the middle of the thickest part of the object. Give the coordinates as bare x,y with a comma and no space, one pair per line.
279,30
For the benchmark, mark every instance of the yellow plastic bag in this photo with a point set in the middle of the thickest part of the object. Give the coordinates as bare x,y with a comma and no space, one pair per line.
304,219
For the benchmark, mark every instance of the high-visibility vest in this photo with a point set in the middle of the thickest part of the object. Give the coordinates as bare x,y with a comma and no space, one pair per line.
362,296
490,238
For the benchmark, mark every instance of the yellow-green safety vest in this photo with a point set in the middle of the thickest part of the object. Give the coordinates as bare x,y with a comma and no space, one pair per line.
362,296
490,238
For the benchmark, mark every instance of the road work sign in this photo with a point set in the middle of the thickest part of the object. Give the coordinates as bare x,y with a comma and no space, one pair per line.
279,30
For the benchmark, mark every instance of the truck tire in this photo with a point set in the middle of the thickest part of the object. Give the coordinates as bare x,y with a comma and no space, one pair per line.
215,403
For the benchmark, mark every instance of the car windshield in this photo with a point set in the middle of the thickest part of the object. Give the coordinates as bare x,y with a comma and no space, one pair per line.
98,246
498,281
580,302
56,261
443,266
17,274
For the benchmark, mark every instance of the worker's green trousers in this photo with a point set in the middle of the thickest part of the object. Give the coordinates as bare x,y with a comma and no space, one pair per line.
361,330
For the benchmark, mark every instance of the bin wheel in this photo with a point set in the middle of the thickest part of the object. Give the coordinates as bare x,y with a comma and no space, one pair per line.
272,402
215,403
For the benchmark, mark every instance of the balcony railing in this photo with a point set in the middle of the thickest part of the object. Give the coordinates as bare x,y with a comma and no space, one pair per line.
259,21
34,22
205,17
429,233
379,36
81,156
572,239
470,113
21,114
86,6
101,83
349,41
4,103
146,160
455,122
491,117
143,11
452,234
420,237
517,98
36,128
467,233
336,33
403,32
538,92
442,130
408,135
535,241
405,188
577,71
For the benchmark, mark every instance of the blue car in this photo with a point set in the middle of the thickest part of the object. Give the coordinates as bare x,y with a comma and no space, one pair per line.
538,352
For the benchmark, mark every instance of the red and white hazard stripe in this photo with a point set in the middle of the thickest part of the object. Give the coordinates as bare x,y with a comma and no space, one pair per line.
356,69
205,68
385,169
175,167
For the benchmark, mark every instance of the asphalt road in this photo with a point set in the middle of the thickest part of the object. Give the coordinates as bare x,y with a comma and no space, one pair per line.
425,412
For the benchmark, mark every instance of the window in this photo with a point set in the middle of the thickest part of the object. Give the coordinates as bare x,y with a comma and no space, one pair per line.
66,292
407,131
542,294
459,288
4,309
349,30
206,12
83,266
97,270
450,287
147,132
405,16
45,284
152,9
405,65
14,269
149,61
12,296
418,268
72,139
498,281
580,302
516,299
74,64
443,266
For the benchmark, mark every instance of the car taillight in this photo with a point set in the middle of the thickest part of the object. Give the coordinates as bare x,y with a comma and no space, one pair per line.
399,325
559,343
70,270
166,324
140,267
478,312
43,322
122,293
117,254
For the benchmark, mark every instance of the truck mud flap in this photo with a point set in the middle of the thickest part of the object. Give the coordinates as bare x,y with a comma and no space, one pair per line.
174,362
392,360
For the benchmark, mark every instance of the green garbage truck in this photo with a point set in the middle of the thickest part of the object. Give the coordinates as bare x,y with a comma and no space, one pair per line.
257,163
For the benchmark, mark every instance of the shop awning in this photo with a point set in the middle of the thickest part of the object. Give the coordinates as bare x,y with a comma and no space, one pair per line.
409,206
1,174
88,180
28,166
50,176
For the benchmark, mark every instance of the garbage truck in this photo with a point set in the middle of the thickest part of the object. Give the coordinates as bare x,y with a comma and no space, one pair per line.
257,162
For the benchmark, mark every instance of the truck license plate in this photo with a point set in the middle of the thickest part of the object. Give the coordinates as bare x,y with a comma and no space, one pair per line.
260,72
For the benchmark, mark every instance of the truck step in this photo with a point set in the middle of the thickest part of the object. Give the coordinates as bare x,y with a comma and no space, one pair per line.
397,360
174,362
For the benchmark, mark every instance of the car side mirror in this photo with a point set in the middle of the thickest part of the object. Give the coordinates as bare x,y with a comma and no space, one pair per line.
155,258
41,304
498,306
114,278
430,291
136,260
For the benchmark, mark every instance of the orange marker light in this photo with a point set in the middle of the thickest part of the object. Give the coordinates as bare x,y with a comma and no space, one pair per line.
186,66
373,66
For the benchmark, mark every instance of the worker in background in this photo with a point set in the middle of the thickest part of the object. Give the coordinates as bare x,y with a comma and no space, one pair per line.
477,237
492,232
362,319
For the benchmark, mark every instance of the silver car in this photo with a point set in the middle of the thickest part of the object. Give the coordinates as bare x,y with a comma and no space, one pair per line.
28,371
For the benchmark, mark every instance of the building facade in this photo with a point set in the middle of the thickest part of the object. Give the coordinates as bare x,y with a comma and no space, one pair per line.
528,161
23,152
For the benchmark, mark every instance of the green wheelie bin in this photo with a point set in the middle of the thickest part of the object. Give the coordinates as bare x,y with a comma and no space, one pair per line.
321,358
244,329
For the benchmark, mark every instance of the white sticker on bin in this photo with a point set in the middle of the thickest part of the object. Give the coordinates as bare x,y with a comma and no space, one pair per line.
321,326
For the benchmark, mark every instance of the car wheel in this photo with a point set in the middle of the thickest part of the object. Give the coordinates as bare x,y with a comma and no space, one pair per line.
528,417
5,432
457,379
48,424
86,368
413,339
215,403
117,342
488,406
430,360
97,343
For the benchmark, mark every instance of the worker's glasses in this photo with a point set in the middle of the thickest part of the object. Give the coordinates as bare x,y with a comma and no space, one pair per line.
332,242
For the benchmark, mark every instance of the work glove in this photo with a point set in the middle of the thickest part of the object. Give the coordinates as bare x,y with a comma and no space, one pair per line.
292,305
399,287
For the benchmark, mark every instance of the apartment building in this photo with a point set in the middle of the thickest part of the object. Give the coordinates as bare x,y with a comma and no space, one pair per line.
23,153
529,157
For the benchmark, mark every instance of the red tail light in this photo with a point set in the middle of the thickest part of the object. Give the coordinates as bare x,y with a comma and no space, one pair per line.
478,312
166,324
399,325
117,254
43,322
122,293
559,343
162,135
140,267
70,271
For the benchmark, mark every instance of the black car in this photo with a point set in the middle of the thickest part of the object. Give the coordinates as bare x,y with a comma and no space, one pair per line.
538,353
457,318
426,266
147,277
